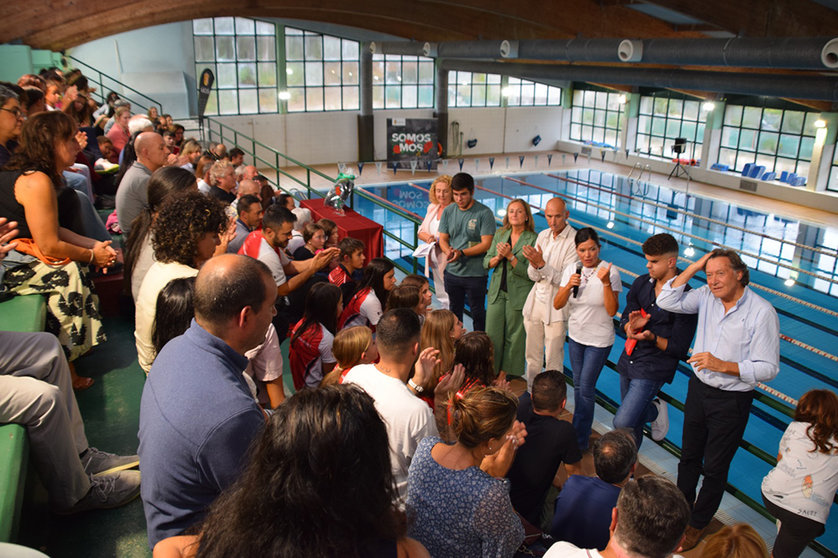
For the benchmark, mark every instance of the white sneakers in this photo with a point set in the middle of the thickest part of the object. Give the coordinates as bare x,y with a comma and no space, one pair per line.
660,426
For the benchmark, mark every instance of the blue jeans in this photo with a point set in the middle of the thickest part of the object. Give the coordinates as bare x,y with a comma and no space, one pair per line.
636,408
586,362
473,287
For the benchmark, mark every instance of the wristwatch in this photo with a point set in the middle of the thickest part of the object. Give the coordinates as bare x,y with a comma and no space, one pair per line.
416,387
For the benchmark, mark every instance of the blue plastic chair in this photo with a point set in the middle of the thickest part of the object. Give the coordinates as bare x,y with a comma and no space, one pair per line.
769,176
747,170
784,176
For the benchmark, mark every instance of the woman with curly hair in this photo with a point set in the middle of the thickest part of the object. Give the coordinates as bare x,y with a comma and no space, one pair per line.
184,236
325,498
51,260
800,489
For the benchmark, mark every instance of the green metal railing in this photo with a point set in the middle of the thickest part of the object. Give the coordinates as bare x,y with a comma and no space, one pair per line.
266,156
105,83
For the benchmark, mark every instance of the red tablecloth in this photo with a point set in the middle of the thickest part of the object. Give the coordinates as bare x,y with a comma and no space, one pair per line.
353,225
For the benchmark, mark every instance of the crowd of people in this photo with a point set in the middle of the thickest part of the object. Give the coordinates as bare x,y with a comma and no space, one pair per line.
404,436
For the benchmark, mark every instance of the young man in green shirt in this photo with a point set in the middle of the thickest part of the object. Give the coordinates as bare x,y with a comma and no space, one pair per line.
465,234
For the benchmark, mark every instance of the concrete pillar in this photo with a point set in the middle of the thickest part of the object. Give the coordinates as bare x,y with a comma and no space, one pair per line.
366,129
822,153
442,107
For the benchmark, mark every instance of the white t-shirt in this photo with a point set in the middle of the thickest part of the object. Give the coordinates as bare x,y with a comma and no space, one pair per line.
588,323
369,313
408,418
295,242
155,280
567,550
265,363
804,481
145,259
275,262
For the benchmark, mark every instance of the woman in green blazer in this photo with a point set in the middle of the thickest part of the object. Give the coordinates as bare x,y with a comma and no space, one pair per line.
509,287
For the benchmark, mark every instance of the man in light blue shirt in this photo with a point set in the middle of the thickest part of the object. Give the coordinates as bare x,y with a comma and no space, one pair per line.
737,345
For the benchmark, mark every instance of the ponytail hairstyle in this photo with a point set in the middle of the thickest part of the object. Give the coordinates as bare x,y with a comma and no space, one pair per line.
475,352
374,278
403,296
175,309
320,308
482,414
436,333
819,407
349,347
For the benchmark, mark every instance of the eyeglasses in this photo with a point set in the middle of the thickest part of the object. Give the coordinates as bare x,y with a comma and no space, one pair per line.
16,111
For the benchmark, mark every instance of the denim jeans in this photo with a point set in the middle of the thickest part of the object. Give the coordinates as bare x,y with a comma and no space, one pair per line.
636,408
473,287
587,363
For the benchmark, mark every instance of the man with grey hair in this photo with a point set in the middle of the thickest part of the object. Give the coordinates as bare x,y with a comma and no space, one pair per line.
647,522
246,172
132,194
303,215
139,123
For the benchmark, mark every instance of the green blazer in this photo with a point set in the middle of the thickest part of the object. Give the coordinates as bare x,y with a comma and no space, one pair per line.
518,284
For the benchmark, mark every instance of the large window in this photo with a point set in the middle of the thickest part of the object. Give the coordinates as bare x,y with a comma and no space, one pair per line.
779,139
321,71
466,89
664,117
595,116
241,53
402,82
832,185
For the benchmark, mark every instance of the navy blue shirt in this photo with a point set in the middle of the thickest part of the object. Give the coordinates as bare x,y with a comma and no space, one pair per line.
583,512
647,362
197,420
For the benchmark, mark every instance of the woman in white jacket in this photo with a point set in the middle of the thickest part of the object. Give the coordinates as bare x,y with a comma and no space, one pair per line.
440,196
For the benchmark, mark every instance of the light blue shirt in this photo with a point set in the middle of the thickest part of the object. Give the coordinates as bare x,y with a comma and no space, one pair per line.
748,334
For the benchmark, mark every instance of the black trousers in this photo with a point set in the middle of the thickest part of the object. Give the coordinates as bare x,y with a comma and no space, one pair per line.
714,422
795,532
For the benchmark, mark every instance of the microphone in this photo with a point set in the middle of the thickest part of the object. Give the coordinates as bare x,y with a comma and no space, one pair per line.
578,272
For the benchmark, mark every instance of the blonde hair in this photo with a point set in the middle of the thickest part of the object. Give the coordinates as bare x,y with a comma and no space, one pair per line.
348,348
218,169
735,541
441,178
528,224
482,414
436,333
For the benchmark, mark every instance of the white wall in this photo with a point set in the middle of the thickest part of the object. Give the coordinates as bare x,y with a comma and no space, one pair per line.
510,130
158,61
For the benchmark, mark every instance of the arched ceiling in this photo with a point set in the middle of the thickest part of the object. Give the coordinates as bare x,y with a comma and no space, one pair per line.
61,24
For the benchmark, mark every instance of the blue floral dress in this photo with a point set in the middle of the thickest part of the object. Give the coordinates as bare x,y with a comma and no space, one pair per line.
459,513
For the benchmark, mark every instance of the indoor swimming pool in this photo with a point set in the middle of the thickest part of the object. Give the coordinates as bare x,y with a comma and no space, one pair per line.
792,262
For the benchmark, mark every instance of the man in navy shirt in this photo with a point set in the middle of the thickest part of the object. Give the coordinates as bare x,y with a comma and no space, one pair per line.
655,341
197,416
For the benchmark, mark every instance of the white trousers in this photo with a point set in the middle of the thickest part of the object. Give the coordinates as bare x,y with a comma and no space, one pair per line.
545,343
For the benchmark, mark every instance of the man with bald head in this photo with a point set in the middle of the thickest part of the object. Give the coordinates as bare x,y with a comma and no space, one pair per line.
132,194
546,327
197,416
246,172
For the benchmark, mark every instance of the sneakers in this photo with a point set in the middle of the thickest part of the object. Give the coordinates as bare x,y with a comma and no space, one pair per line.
97,462
108,491
660,426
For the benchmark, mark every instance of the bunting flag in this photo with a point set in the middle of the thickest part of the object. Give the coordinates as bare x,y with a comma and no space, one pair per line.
575,156
429,164
378,165
627,153
395,167
476,164
536,161
413,163
549,159
444,165
507,162
602,155
521,161
491,163
564,159
461,161
360,168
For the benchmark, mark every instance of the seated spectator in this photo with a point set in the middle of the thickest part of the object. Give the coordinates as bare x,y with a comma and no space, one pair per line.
119,134
267,246
550,442
178,131
583,508
648,522
405,296
222,181
246,188
189,155
236,157
287,201
197,416
132,193
266,192
264,369
420,282
310,350
352,346
349,272
202,173
366,306
736,541
174,311
48,259
458,501
331,230
440,331
306,457
138,251
184,236
303,216
246,172
249,219
314,238
407,417
107,149
11,121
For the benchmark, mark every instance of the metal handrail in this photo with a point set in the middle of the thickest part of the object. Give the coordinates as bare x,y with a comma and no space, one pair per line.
100,92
